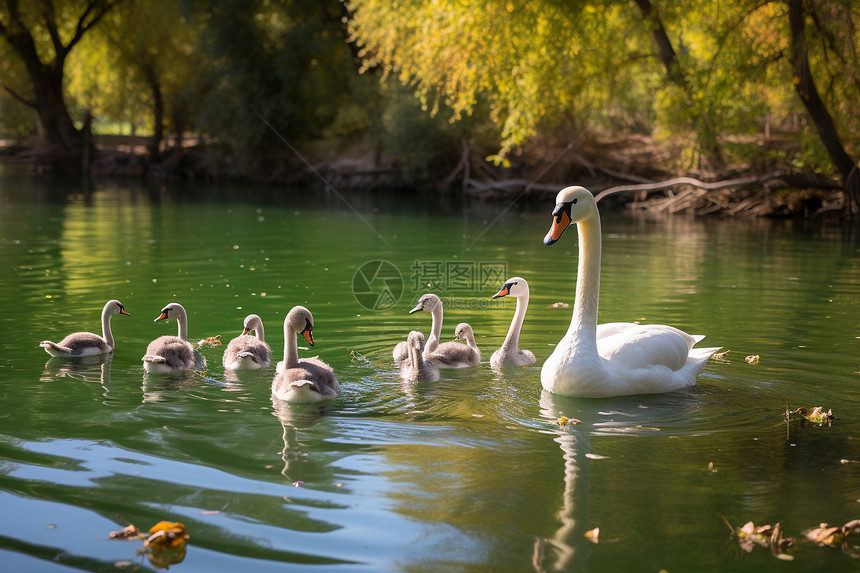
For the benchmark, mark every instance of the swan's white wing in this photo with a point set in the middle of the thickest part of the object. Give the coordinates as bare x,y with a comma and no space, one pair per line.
640,346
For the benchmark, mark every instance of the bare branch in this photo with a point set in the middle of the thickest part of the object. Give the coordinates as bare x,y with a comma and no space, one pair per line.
18,97
798,179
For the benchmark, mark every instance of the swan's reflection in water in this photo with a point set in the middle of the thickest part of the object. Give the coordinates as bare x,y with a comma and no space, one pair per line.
157,384
86,369
568,549
294,417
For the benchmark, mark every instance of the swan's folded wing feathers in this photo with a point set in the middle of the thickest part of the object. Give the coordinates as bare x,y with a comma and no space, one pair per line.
645,346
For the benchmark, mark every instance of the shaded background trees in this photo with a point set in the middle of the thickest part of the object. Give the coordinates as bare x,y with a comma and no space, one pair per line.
410,83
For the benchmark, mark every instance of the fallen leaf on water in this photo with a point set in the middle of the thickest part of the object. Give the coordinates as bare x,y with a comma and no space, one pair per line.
825,535
749,536
592,534
720,355
752,359
816,415
595,456
565,421
130,532
166,535
559,305
211,341
779,544
711,467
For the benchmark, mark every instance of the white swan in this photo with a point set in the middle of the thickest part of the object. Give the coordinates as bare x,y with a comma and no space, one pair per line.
247,352
615,359
415,368
509,354
308,379
172,353
81,344
428,303
457,354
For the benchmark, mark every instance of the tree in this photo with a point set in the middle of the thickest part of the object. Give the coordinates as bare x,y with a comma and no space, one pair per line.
154,41
807,90
42,35
711,69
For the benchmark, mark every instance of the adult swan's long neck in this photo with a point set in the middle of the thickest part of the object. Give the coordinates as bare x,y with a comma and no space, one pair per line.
583,323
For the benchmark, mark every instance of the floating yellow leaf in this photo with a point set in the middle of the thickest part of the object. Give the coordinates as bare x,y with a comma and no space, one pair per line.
166,535
752,359
593,534
565,421
211,341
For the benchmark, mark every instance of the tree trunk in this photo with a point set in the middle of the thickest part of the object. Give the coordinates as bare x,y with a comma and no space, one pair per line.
57,128
804,84
706,135
664,44
64,141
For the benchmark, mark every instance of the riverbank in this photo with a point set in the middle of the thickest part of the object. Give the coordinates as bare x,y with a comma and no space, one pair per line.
633,171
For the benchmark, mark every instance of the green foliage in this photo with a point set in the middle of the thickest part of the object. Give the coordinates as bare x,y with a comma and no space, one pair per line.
494,73
534,63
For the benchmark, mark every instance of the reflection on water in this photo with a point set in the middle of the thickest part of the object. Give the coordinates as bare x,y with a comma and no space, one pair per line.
468,473
568,545
294,417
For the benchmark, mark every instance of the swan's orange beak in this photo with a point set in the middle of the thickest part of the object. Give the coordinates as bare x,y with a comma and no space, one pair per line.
560,222
161,316
246,331
503,292
123,311
309,336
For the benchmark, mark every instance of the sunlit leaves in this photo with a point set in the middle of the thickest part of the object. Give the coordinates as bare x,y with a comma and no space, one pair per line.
538,62
534,63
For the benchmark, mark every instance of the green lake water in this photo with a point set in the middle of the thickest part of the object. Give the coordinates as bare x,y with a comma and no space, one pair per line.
471,473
